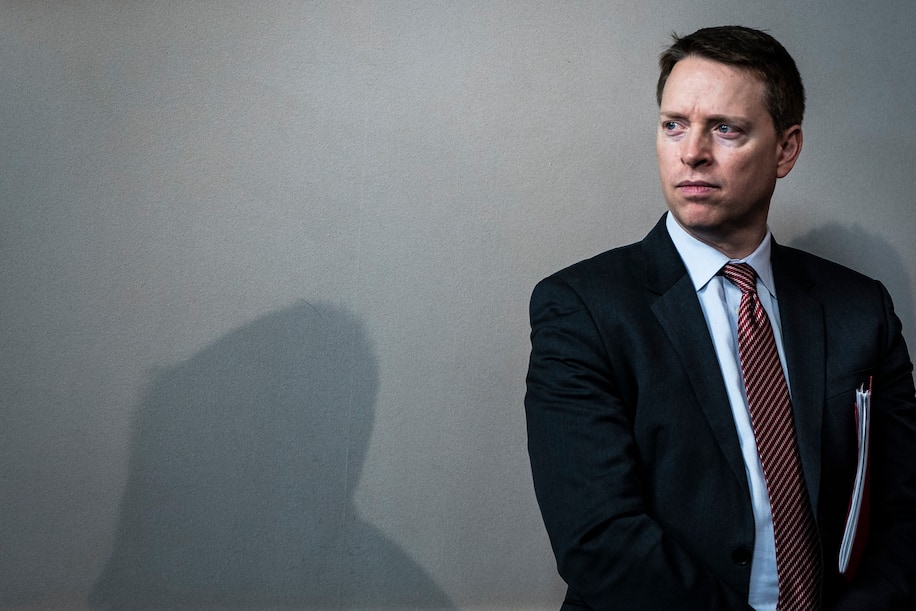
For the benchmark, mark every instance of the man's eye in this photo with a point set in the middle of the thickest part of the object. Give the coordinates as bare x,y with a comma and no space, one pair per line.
669,125
725,129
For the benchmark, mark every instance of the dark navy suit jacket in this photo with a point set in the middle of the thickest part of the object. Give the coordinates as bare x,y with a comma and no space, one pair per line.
634,451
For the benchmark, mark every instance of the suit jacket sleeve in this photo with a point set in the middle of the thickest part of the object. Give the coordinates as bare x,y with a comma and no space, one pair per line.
586,473
886,579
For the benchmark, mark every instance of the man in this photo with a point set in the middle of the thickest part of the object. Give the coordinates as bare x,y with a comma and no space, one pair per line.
671,473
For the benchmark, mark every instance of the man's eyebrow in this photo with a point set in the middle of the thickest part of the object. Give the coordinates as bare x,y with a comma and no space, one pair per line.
710,120
664,116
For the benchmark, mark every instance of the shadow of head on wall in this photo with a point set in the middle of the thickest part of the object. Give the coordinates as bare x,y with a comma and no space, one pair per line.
242,467
871,254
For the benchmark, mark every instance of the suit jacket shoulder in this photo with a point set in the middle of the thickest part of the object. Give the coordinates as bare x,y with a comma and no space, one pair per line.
621,276
809,269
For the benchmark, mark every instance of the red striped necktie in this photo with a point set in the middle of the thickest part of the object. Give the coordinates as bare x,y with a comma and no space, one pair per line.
797,546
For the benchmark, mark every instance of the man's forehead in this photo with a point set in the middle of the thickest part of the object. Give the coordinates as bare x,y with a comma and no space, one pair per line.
694,66
715,87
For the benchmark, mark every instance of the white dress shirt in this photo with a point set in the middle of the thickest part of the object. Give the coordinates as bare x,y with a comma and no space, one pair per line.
719,299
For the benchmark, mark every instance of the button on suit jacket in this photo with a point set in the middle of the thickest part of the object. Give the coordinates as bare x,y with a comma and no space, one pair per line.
634,452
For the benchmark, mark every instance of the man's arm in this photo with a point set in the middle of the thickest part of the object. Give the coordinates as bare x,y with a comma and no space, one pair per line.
886,580
586,475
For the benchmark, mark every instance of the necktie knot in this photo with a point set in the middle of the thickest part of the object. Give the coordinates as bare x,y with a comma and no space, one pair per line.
742,275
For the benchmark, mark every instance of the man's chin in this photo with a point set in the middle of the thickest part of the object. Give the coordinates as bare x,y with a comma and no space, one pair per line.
695,218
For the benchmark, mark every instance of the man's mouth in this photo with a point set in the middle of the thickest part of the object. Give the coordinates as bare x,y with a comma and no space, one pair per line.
695,187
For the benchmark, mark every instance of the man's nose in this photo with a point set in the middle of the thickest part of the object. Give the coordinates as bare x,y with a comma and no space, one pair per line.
695,151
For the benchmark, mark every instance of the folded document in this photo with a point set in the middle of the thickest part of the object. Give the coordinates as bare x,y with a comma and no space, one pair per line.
856,531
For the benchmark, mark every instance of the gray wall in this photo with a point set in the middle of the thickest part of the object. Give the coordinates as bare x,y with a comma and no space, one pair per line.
265,271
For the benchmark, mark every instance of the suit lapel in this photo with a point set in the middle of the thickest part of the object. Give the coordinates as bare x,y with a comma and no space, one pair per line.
802,319
678,311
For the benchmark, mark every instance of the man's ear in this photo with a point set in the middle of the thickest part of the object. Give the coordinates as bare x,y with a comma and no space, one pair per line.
790,146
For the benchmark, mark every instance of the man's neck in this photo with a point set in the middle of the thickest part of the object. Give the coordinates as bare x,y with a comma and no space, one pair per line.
736,245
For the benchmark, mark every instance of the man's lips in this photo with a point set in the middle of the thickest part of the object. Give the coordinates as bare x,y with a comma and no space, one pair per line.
695,187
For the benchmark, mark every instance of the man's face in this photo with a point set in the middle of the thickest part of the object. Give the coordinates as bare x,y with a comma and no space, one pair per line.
719,154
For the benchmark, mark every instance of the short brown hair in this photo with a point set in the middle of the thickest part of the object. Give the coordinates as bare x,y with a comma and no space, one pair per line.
750,49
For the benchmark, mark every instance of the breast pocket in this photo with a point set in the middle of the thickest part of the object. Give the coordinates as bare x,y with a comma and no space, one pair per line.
845,385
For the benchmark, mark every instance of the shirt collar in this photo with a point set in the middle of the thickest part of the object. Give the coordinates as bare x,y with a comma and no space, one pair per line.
703,261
